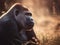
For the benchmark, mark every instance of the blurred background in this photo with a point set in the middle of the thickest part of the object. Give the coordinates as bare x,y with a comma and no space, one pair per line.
46,15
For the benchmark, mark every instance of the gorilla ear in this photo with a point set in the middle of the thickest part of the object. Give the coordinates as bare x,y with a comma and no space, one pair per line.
16,12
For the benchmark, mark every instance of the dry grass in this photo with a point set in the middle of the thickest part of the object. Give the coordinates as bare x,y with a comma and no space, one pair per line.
46,25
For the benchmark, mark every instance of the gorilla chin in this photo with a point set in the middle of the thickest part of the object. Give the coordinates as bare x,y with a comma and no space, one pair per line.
29,25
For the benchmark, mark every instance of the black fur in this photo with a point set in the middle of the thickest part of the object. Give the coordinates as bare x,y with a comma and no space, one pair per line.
9,30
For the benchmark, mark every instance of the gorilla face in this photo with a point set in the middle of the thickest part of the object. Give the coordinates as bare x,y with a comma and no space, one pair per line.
24,18
29,19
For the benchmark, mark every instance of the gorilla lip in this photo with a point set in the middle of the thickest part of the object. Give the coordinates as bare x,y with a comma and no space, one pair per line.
30,25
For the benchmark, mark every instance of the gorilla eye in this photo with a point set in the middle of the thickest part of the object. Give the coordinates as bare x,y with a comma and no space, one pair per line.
28,14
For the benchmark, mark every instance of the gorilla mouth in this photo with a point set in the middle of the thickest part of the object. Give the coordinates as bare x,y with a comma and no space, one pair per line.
29,25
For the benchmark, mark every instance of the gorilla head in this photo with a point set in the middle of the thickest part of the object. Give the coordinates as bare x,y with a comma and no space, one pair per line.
23,16
14,20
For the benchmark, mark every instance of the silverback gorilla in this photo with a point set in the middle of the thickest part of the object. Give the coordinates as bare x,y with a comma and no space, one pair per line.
13,26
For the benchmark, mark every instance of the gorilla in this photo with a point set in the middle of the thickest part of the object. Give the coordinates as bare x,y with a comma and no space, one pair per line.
12,24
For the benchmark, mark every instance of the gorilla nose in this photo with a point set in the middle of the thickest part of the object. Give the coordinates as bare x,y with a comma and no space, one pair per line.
29,23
